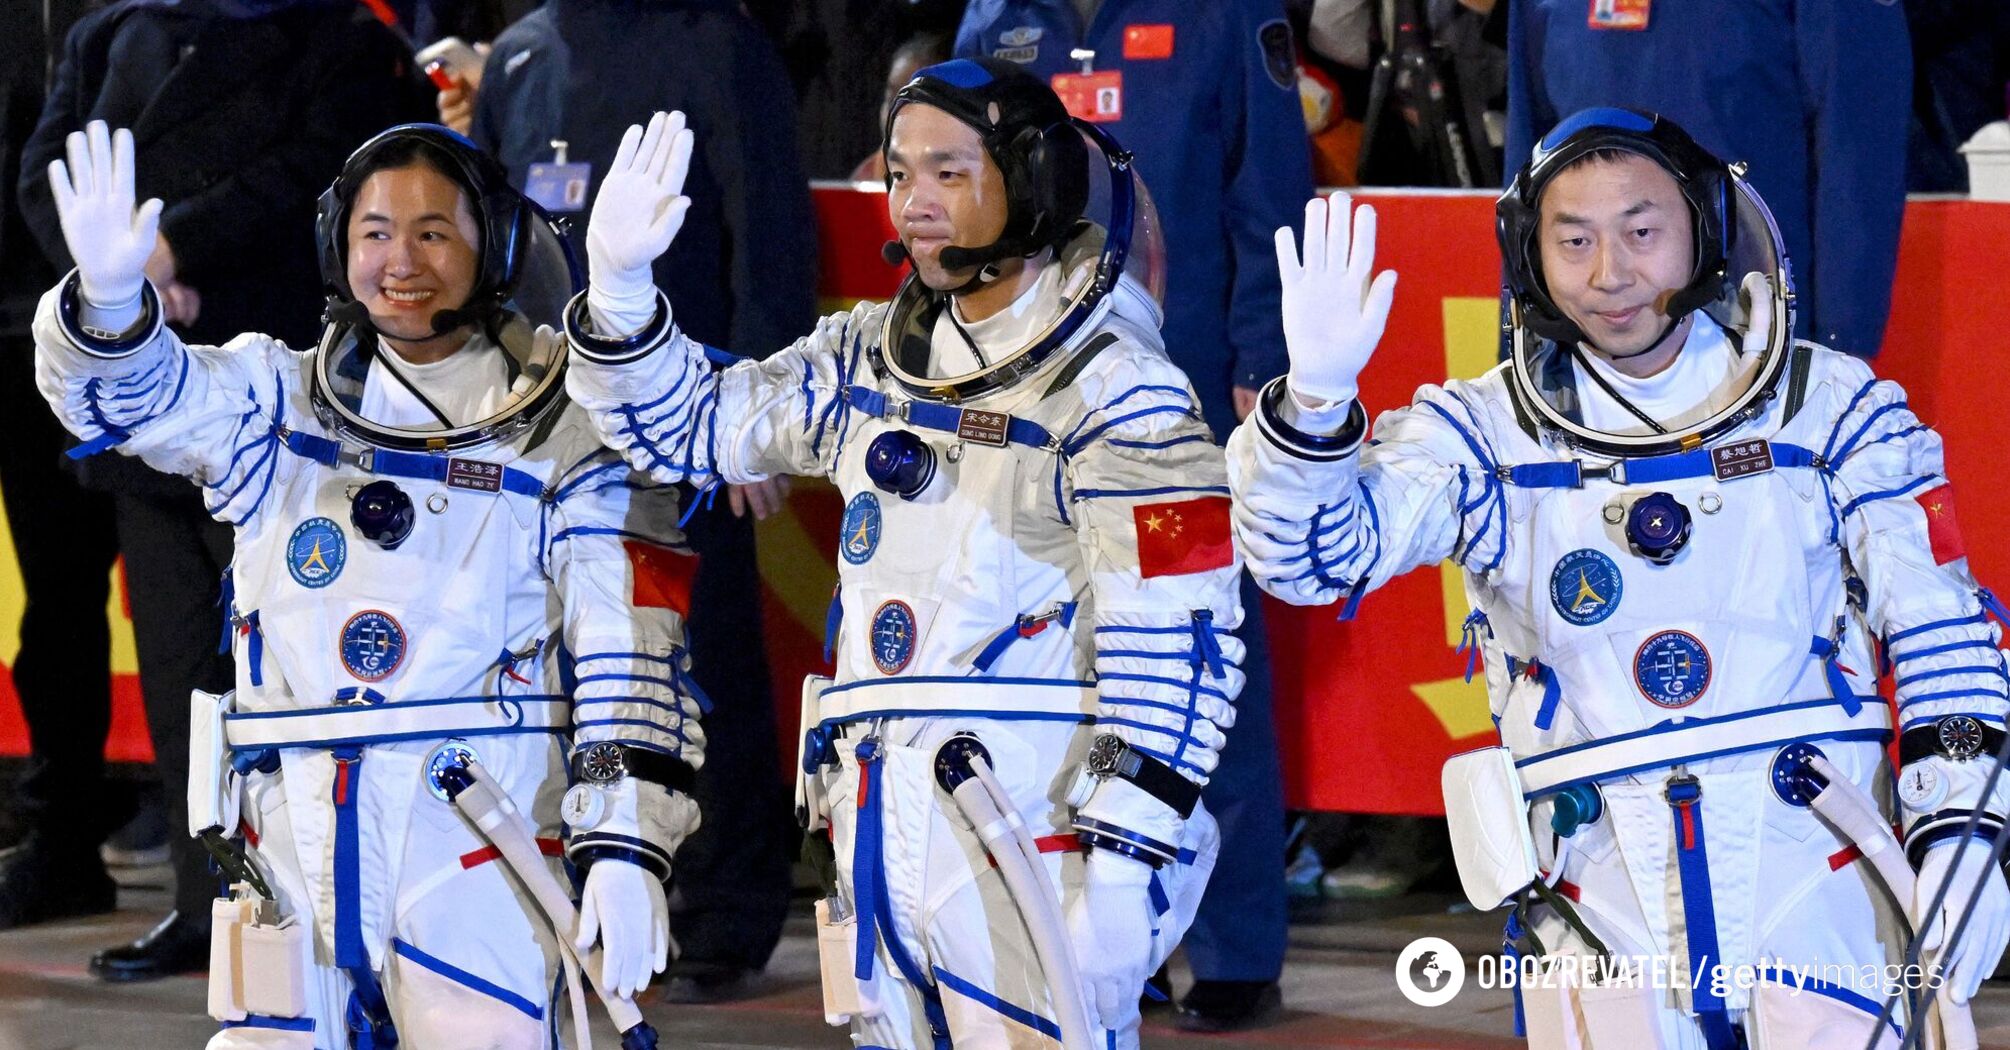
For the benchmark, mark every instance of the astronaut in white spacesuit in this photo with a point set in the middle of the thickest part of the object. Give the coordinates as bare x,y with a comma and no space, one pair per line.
1035,554
438,564
1688,543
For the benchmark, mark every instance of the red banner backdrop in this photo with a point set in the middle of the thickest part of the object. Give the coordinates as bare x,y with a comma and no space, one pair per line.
1367,710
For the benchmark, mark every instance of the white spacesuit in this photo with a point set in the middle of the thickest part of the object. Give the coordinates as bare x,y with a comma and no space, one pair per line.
1683,586
1034,553
434,565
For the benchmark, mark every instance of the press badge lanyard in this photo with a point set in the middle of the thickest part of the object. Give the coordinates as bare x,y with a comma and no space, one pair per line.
559,187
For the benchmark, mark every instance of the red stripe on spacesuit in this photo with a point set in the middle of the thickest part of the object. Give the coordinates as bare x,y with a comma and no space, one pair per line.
1564,886
476,858
342,781
250,836
1688,826
1068,843
1844,856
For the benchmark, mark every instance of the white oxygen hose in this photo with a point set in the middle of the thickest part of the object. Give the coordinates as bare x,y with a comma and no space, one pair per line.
486,804
991,811
1856,815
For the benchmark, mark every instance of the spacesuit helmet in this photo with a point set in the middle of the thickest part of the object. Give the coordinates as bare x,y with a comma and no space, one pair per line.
1733,235
1070,189
524,272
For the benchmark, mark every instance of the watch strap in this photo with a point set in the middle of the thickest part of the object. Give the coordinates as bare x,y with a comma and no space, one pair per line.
657,767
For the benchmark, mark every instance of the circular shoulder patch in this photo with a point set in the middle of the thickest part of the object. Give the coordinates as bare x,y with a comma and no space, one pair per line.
1672,668
1585,587
373,645
892,637
316,552
859,536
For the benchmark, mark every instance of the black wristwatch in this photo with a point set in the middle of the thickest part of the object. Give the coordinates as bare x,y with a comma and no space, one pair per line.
606,762
1110,756
1958,737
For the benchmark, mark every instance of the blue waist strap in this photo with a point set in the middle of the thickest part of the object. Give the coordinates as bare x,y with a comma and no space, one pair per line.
423,466
1696,463
950,418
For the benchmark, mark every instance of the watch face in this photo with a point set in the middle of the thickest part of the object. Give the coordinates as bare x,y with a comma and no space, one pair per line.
1960,736
1104,751
603,762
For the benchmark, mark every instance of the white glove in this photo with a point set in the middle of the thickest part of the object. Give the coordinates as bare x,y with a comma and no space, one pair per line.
638,211
623,907
94,201
1110,926
1981,946
1332,316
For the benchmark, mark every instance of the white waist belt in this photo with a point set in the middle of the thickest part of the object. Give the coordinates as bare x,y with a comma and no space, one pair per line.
1700,738
396,720
1041,699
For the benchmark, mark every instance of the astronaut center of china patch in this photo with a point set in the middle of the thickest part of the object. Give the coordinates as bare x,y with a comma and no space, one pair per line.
859,535
1585,587
316,552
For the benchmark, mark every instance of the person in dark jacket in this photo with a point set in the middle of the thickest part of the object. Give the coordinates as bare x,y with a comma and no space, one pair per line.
743,274
1206,96
64,541
1814,96
241,112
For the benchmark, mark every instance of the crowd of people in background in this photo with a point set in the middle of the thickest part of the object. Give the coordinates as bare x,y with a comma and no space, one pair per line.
1235,110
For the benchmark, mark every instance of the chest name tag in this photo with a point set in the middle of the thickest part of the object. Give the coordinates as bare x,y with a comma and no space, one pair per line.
1741,459
983,428
475,475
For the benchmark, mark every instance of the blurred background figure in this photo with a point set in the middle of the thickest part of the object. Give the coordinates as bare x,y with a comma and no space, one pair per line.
241,112
743,274
1206,96
1740,76
916,53
65,542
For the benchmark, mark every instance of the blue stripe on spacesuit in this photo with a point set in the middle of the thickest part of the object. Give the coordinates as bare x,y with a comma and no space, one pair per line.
1958,621
1871,497
1127,676
1951,694
366,1001
1167,490
1972,643
1828,447
283,1024
1182,656
1073,445
1842,454
869,897
983,998
1946,672
464,978
1785,977
1156,445
1699,916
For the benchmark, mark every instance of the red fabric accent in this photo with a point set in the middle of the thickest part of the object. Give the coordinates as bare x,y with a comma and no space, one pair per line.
383,12
1844,856
1028,630
1066,843
864,785
476,858
1943,533
1568,889
662,577
250,836
342,781
1688,814
1148,41
1182,537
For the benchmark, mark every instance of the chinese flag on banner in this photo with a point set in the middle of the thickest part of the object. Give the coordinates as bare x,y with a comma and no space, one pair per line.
1943,534
662,577
1183,537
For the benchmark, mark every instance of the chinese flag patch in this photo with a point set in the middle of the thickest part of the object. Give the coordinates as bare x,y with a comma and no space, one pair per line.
1943,534
1183,537
662,577
1148,41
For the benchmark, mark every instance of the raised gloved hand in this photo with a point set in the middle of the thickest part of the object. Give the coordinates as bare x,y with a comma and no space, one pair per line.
623,907
1110,926
638,211
1333,317
109,240
1975,956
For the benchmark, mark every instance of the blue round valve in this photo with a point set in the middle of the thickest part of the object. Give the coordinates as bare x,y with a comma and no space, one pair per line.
382,513
1574,807
899,462
1657,527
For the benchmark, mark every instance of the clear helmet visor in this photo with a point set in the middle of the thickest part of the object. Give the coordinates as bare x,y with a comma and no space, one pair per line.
532,363
1114,256
1757,285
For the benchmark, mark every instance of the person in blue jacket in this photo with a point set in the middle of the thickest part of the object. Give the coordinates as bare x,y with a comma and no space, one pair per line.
1815,97
1206,96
